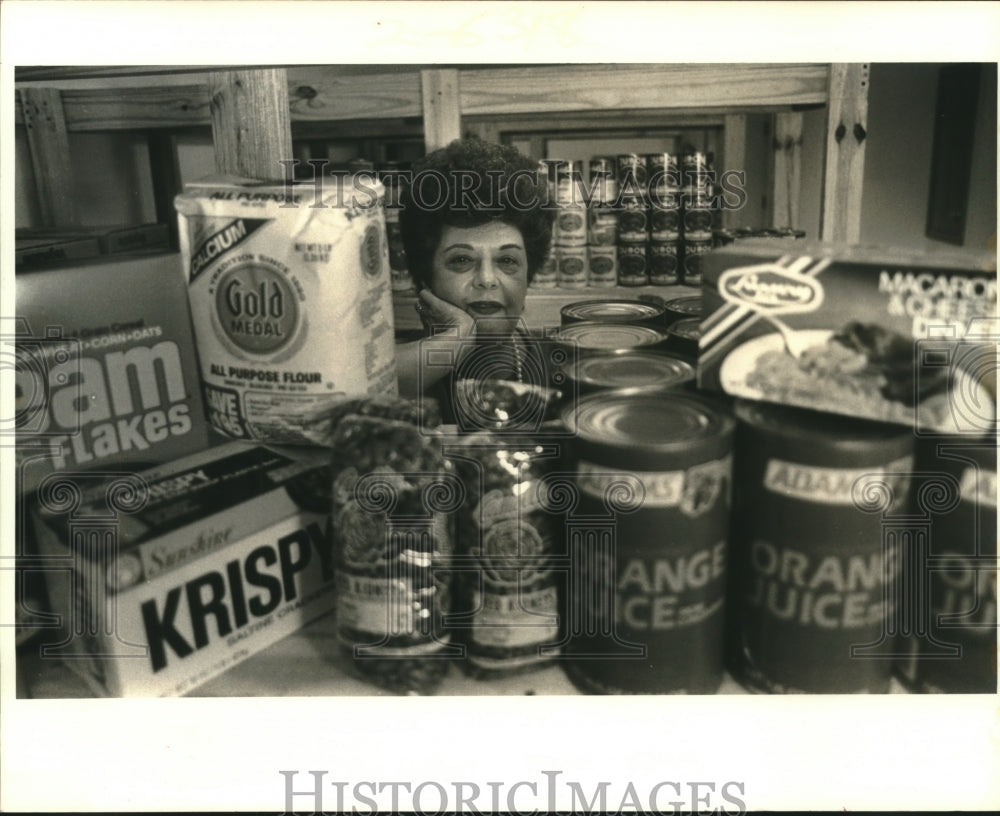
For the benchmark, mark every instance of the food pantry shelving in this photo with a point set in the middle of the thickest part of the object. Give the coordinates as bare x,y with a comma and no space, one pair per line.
256,113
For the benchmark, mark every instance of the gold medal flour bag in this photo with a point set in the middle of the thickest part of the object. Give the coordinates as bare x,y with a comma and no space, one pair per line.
291,300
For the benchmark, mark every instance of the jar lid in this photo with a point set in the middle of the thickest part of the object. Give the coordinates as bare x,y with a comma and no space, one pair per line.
608,338
611,311
649,430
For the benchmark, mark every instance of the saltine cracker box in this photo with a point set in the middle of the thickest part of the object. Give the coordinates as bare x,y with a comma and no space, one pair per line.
164,579
884,334
107,374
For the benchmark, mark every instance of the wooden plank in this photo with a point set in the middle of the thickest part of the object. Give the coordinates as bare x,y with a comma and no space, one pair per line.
359,129
314,94
250,122
331,93
847,125
787,169
441,107
337,93
55,74
48,143
734,156
613,87
167,183
137,108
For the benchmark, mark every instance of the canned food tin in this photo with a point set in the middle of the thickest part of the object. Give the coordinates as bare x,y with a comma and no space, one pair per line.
570,226
647,552
691,266
401,280
572,266
722,237
603,225
664,170
569,184
697,221
548,169
683,337
634,370
602,166
810,555
603,180
696,170
663,269
632,269
632,171
591,338
664,219
548,276
632,312
603,265
682,307
633,220
952,573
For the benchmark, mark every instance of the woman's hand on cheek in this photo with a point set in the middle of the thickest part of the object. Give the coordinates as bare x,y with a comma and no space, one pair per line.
437,313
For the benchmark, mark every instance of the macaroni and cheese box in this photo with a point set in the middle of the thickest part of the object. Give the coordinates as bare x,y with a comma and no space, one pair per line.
883,334
165,578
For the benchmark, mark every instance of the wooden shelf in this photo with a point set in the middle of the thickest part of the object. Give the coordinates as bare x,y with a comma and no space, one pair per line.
308,663
454,100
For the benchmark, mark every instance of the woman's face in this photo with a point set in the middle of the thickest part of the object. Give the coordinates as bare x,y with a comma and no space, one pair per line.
484,271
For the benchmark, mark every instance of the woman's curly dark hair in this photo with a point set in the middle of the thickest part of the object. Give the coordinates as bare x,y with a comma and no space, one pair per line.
468,183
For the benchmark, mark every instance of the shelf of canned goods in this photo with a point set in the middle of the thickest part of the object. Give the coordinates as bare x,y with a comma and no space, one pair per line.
439,105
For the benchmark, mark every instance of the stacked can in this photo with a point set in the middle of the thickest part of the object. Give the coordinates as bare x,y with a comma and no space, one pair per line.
602,223
633,221
548,276
570,233
813,560
951,574
697,218
647,543
664,219
391,176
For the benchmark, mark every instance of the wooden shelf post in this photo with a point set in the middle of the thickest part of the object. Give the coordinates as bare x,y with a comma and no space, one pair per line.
847,125
48,143
442,107
251,123
787,168
734,153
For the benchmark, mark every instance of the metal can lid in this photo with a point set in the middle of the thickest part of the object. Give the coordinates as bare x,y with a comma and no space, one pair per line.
634,370
610,311
609,338
689,327
649,430
689,305
818,435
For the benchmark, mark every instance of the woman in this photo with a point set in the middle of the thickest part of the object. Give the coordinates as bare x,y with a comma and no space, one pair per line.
476,226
